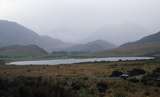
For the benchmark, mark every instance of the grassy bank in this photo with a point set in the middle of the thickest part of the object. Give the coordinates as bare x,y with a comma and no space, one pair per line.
80,80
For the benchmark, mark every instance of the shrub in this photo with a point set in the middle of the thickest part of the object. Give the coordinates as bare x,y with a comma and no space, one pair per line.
2,62
119,95
134,80
152,78
136,72
102,87
44,87
116,74
156,71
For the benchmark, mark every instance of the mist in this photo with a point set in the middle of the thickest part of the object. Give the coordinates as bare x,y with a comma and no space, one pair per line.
79,21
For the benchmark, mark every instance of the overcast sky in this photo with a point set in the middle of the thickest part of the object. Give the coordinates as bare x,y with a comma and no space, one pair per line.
116,21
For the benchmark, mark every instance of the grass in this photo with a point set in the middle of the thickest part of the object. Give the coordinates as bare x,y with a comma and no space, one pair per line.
76,70
85,78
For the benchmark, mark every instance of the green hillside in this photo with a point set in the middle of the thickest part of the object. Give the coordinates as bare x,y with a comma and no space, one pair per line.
20,51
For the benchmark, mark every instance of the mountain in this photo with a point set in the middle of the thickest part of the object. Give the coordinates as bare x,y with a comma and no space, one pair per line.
51,44
147,46
22,51
118,33
12,33
94,46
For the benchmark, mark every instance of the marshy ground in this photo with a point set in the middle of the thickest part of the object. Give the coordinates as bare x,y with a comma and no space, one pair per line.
80,80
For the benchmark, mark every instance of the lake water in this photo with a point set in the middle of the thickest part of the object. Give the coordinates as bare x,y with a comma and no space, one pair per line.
72,61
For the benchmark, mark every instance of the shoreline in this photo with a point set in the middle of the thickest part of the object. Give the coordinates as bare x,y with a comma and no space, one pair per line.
78,61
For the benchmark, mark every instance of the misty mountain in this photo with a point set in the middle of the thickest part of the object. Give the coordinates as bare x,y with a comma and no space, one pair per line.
53,44
12,33
149,45
119,33
148,42
22,51
94,46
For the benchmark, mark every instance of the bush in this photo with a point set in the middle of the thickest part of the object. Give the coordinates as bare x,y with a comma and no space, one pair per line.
116,74
119,95
43,87
2,62
136,72
134,80
102,87
156,72
152,78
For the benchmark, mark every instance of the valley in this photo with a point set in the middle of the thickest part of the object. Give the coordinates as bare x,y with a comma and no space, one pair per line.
80,75
79,48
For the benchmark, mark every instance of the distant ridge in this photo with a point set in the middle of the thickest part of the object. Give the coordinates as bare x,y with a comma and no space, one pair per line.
147,46
97,45
22,51
12,33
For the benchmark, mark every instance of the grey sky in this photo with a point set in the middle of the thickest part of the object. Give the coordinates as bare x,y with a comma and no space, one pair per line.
117,21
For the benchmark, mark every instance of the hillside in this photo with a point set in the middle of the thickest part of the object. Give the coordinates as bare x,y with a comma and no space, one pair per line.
22,51
51,44
94,46
147,46
12,33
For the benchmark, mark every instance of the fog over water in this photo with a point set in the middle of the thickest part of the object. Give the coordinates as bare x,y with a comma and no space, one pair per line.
116,21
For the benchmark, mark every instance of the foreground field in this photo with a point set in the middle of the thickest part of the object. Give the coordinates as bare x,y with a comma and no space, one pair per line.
80,80
77,70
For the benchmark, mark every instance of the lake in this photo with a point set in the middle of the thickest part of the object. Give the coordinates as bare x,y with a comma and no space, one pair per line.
72,61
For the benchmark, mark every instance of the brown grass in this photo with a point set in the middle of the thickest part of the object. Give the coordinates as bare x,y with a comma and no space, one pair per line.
117,88
75,70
